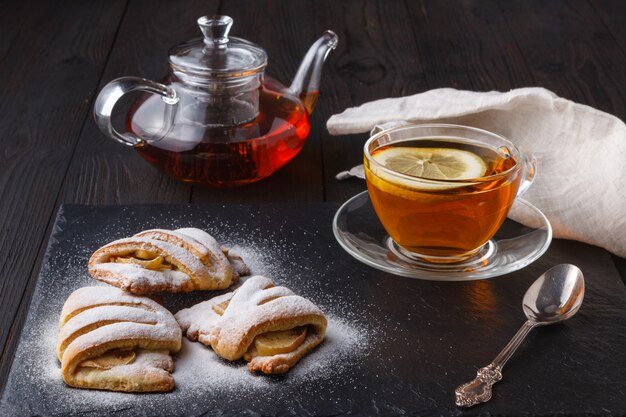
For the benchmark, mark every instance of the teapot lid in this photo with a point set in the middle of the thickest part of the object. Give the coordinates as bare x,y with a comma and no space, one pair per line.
217,55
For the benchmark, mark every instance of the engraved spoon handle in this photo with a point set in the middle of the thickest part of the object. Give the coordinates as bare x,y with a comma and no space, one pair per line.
479,389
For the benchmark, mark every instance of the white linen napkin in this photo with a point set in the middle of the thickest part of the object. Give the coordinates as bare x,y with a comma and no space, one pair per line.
581,152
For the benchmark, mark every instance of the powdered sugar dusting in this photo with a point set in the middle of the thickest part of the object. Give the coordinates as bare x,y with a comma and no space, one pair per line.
195,362
129,274
185,239
205,383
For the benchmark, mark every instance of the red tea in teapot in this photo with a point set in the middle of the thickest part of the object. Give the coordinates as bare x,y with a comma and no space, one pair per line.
229,156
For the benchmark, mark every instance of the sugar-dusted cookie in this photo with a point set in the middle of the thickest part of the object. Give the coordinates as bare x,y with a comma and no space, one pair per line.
268,326
156,260
112,340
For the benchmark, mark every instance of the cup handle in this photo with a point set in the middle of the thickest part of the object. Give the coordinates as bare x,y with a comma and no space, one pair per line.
530,170
113,91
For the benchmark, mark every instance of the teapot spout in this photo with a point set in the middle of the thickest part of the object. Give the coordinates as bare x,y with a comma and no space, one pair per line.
306,82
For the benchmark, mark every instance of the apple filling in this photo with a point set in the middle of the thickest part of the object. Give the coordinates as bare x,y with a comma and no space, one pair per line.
221,307
270,343
110,359
145,259
281,341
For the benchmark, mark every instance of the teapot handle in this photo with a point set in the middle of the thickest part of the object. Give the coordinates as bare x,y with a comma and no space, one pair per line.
113,91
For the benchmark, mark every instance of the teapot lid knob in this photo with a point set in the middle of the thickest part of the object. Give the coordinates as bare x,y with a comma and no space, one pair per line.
215,29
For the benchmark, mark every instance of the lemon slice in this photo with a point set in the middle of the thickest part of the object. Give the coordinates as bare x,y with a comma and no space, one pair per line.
425,165
432,163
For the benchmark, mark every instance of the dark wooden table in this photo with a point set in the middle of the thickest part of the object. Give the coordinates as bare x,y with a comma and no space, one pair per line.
56,55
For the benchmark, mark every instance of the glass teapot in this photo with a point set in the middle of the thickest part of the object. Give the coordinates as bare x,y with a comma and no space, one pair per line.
217,119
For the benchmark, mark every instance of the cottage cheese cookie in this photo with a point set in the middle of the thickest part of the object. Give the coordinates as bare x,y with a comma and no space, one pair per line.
112,340
167,260
268,326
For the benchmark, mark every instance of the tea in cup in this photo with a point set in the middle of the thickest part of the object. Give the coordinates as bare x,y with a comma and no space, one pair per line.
442,191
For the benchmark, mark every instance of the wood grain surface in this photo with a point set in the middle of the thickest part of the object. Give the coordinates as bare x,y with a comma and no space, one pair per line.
50,73
56,55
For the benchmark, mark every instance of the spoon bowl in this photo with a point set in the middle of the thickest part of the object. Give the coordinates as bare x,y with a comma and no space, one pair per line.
555,296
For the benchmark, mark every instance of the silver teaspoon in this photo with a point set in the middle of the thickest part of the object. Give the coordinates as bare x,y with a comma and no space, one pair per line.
555,296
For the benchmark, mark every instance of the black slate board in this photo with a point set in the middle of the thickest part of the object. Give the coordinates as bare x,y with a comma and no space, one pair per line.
424,338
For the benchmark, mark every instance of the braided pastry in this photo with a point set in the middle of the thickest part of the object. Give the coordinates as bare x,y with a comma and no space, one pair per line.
269,326
166,260
112,340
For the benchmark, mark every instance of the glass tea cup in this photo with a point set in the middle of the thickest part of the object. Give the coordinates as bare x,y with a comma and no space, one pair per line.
442,191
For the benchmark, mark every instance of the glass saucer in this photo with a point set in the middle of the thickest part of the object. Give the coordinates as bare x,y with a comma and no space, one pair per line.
360,233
